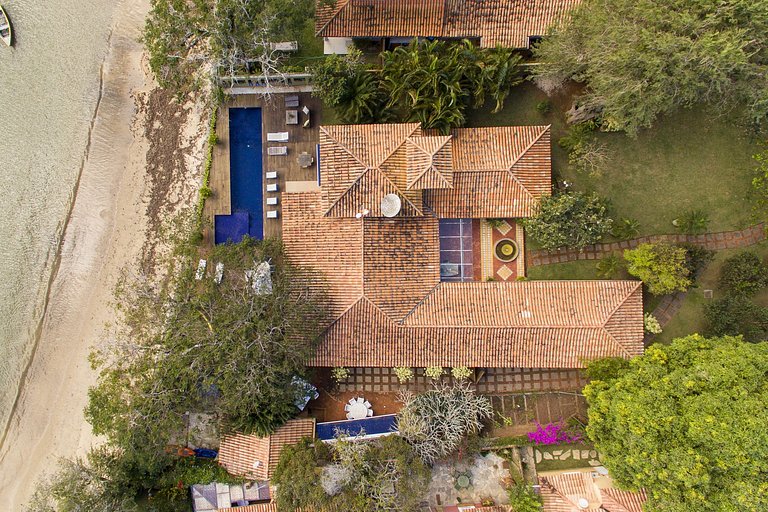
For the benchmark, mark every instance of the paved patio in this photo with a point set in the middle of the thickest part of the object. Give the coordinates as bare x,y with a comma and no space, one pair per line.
492,380
488,475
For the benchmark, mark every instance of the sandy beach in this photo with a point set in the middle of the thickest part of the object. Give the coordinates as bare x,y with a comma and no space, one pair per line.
126,187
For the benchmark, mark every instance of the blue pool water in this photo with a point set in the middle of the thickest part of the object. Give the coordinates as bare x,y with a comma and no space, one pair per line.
245,169
376,425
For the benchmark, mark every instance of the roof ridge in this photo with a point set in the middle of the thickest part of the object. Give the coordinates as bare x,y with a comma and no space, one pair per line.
555,490
423,299
614,312
523,153
417,126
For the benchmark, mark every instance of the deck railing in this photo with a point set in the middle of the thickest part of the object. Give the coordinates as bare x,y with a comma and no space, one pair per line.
265,84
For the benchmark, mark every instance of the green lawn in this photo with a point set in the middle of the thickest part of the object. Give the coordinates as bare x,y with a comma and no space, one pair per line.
559,465
690,319
689,160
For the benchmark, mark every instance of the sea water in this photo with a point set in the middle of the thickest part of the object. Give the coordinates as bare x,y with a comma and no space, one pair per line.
49,88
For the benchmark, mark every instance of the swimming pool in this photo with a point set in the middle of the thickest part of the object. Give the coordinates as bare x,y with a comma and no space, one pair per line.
246,178
370,427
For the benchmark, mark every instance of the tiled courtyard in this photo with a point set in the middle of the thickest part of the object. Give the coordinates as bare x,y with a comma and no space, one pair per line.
492,380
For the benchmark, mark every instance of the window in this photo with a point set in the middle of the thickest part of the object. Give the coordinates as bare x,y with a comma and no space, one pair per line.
456,250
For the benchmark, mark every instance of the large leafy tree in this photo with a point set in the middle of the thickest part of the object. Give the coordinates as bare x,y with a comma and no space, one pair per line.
641,59
686,422
187,39
196,345
569,220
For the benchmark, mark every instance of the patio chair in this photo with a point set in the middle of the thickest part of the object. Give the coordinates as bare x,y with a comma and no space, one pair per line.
369,413
347,407
352,401
349,416
367,404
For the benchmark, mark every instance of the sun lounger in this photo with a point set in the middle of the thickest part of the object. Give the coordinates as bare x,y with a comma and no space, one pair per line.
271,214
271,175
285,46
219,273
271,201
271,187
277,137
277,150
200,273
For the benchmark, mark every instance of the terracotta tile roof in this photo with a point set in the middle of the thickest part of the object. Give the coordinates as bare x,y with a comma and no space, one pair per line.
474,173
507,23
396,312
239,453
561,493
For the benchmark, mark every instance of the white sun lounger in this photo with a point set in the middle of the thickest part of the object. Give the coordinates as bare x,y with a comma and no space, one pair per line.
271,175
277,150
271,214
271,201
200,269
277,137
219,273
272,187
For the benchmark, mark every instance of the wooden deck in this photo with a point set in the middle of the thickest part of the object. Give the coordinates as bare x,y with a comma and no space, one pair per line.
288,171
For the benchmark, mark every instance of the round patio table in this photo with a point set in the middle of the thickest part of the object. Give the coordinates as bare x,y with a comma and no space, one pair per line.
305,160
357,411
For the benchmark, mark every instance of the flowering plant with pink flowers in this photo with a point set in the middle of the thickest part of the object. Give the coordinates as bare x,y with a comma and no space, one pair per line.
553,433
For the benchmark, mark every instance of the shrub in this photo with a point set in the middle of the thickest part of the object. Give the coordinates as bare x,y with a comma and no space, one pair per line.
552,433
608,266
461,372
494,223
651,324
737,315
744,274
760,185
437,422
569,220
544,107
434,372
522,498
404,373
205,192
625,229
340,374
692,222
662,267
696,258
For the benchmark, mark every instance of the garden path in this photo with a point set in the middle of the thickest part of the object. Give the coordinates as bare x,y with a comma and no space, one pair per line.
712,241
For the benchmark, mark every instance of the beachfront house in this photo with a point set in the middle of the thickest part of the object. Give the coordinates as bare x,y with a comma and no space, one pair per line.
490,23
417,237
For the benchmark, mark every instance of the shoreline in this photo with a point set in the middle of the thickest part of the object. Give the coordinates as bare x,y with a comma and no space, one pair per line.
56,263
105,233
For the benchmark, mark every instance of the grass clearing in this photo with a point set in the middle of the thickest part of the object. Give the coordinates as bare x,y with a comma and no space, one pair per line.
689,160
690,319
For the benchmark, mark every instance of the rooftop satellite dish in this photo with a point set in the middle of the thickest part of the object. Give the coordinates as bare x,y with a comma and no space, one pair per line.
390,205
583,503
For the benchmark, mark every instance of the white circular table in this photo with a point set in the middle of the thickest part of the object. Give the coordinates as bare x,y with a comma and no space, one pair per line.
357,411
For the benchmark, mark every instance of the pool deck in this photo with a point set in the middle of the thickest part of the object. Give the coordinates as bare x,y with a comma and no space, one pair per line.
287,168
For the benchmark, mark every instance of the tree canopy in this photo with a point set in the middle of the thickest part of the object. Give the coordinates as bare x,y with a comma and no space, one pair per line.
686,422
642,59
196,345
186,39
571,219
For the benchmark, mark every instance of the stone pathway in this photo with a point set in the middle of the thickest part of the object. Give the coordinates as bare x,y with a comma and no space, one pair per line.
577,454
712,241
665,311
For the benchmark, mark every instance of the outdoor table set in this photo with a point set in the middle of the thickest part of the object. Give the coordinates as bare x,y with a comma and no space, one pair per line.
358,408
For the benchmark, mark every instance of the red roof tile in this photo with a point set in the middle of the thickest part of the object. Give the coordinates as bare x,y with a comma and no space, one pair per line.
394,311
507,23
256,457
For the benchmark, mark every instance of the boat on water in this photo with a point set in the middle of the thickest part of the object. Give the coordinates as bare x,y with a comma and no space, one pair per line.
6,32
